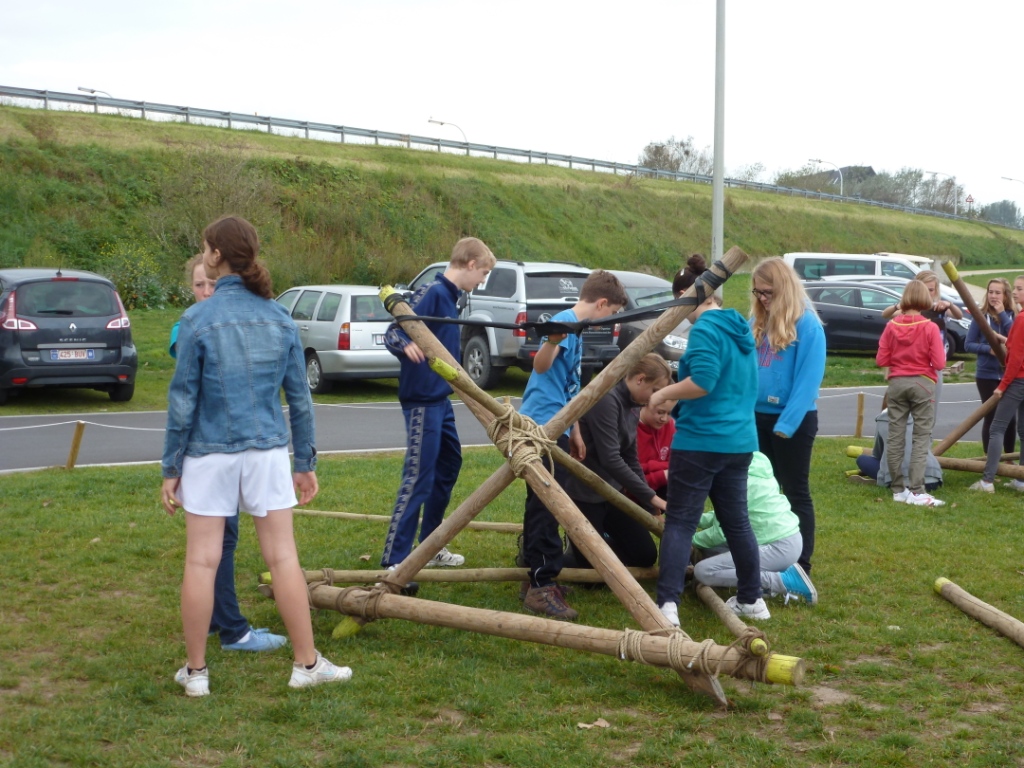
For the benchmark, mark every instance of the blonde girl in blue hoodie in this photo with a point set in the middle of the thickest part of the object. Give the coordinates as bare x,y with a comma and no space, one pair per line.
790,366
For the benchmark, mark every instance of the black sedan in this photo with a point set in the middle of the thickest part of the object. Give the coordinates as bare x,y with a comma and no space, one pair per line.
852,315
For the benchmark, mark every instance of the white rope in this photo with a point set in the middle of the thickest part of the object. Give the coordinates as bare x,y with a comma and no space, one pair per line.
79,421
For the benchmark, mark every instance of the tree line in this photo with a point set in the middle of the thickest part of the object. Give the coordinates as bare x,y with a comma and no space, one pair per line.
909,187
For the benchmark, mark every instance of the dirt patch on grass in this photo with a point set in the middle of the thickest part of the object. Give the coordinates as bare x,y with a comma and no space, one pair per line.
823,696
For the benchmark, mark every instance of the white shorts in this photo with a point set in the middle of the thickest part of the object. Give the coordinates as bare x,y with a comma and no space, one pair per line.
223,484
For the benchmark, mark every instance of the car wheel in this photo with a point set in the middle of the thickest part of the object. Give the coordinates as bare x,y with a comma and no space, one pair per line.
948,344
476,359
318,385
122,393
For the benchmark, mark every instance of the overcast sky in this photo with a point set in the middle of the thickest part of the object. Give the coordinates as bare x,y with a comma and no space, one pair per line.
924,84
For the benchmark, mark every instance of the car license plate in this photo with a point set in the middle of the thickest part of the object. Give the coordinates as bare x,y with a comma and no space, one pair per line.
378,339
72,354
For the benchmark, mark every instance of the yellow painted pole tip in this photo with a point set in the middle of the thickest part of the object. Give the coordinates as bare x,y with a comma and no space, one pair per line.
347,627
758,647
950,269
265,578
442,369
784,670
940,583
385,291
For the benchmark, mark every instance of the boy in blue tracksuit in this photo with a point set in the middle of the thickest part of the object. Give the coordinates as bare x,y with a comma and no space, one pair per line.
433,454
711,453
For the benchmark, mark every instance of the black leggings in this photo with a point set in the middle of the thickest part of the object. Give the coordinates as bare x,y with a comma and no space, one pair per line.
629,540
985,388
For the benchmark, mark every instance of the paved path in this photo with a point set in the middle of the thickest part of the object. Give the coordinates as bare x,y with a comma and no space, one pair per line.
31,442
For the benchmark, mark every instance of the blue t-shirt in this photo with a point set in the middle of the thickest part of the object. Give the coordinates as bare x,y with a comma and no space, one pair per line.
547,393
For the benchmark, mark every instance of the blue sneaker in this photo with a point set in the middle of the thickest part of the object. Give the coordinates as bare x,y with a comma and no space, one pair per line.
258,640
798,583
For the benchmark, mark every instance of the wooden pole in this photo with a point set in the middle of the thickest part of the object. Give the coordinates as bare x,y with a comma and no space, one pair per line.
973,465
76,443
1003,623
653,648
461,575
986,330
474,526
732,622
859,430
965,426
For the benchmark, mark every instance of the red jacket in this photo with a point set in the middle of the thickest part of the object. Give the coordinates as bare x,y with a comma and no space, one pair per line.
911,345
653,447
1014,354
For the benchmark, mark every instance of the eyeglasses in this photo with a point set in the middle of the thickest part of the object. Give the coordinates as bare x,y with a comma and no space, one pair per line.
763,294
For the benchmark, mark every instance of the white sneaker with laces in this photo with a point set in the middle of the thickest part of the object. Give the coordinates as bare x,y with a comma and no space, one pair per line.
981,485
445,559
1017,485
195,683
756,610
671,612
322,672
925,499
902,496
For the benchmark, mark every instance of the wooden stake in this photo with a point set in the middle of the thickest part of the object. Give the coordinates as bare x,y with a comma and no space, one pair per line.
973,465
463,575
76,443
1003,623
859,429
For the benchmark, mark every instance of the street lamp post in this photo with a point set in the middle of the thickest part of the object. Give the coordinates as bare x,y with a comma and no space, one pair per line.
953,178
1017,180
826,162
94,91
453,125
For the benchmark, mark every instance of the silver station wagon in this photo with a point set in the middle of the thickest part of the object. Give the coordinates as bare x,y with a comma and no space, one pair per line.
342,331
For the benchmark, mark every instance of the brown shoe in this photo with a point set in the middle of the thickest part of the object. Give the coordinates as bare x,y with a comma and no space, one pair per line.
524,586
548,601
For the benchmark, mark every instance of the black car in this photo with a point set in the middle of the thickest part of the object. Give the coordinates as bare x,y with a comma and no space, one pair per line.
64,328
851,312
645,290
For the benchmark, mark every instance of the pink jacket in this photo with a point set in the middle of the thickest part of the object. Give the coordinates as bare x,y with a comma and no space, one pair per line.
911,345
653,447
1014,353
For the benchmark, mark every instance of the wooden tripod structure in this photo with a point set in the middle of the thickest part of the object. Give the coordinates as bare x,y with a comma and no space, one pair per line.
524,444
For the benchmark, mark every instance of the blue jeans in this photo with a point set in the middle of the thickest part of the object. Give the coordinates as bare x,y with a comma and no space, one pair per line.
227,617
791,462
694,476
433,458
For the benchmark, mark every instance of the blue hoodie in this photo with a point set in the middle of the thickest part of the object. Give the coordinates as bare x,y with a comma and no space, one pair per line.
720,358
788,380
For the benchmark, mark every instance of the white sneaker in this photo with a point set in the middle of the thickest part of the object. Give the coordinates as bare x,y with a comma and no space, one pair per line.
196,683
445,559
925,499
322,672
1017,485
756,610
671,612
902,496
981,485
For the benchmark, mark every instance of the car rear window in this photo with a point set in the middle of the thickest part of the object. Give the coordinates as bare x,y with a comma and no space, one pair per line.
66,298
645,297
368,309
554,286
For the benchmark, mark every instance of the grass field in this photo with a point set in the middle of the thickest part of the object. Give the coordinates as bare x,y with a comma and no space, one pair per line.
91,568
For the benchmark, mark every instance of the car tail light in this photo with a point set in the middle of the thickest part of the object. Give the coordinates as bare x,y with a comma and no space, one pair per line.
345,336
616,329
122,321
520,332
9,319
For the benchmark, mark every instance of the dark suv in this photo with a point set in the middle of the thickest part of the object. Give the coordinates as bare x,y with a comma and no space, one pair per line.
64,329
516,292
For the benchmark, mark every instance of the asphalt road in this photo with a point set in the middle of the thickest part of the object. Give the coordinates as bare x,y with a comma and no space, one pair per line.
32,442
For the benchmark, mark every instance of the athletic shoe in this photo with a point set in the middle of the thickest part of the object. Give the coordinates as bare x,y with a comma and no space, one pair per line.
861,480
410,589
548,601
925,499
258,640
445,559
981,485
798,583
1017,485
195,683
902,496
322,672
671,612
756,610
524,587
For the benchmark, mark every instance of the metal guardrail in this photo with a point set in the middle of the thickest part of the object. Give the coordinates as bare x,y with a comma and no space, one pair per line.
310,130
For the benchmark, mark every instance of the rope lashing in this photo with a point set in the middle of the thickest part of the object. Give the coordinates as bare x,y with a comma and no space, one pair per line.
369,605
630,648
523,440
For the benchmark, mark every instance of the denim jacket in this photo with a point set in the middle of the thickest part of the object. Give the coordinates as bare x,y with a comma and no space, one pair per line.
236,351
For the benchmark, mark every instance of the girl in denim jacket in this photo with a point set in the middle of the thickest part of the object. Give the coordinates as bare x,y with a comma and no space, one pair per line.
226,446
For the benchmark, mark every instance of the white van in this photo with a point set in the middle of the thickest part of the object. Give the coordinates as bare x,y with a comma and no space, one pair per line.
817,266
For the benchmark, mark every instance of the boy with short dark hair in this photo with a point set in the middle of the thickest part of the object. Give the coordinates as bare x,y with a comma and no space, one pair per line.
554,382
433,454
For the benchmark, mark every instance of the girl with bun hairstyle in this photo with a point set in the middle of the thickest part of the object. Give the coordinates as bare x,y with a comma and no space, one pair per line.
790,365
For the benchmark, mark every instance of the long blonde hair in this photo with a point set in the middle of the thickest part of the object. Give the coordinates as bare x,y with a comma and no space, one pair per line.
788,305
